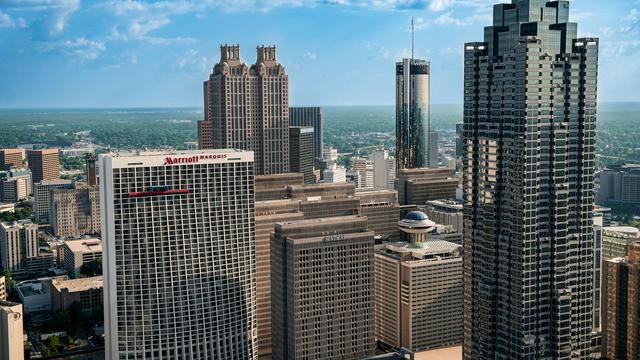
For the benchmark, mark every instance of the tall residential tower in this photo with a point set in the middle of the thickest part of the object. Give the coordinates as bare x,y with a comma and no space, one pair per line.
529,156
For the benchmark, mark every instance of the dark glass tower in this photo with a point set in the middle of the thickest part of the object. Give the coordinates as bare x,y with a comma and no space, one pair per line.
529,155
412,114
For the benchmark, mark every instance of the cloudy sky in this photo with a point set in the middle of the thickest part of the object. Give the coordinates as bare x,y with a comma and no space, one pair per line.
81,53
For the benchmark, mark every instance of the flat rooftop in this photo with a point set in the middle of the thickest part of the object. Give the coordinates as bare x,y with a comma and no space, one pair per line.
425,249
450,353
78,285
90,245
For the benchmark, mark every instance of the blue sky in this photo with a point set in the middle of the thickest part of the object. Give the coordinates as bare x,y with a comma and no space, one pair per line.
80,53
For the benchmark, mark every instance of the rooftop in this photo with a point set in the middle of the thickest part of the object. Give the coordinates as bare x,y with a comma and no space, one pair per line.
90,245
77,285
425,250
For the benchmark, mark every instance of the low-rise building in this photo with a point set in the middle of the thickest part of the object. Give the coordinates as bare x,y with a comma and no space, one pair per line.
418,292
35,295
86,291
79,252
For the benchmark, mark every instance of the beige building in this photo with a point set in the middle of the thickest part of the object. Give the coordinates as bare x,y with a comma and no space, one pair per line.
11,331
364,168
248,108
382,210
86,291
322,289
3,287
74,212
11,158
616,241
41,195
268,213
44,164
445,212
18,242
417,186
418,292
79,252
274,187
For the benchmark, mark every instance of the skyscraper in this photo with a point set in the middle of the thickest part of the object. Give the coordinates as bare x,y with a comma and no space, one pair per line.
412,114
248,108
433,149
11,158
178,234
309,116
44,164
529,156
384,169
18,243
301,152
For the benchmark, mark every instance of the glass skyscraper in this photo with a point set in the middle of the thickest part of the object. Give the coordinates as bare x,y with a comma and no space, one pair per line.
412,114
529,156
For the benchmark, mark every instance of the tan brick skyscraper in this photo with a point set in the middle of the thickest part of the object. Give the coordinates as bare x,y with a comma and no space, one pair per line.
248,108
44,164
10,157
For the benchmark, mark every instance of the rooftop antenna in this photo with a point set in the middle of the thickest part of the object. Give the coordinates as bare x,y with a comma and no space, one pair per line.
412,37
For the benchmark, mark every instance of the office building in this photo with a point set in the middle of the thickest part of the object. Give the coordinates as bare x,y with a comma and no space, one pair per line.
86,291
91,171
416,227
528,185
382,211
433,149
605,212
42,197
44,164
322,289
301,152
329,153
35,295
445,212
74,212
193,297
18,242
205,134
248,108
268,213
616,241
76,253
15,184
364,168
412,114
274,187
384,169
620,184
334,174
621,306
459,140
417,186
418,292
309,116
11,158
11,331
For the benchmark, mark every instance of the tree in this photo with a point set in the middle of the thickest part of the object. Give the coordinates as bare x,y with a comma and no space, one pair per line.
8,280
92,268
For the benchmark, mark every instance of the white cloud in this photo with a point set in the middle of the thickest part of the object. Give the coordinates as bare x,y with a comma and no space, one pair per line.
439,5
449,19
83,48
55,14
7,21
310,55
192,61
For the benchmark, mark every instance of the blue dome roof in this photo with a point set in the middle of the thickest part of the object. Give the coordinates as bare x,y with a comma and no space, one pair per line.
417,216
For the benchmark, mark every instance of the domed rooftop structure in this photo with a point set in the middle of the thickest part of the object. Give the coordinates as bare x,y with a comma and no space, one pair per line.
416,216
416,226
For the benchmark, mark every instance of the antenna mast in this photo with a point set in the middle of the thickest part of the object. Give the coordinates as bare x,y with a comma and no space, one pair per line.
412,37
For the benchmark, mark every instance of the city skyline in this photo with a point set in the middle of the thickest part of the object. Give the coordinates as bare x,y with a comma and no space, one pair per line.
161,51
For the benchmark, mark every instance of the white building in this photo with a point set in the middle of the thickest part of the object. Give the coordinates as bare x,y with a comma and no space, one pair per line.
41,194
178,231
18,242
384,169
334,174
329,153
364,168
79,252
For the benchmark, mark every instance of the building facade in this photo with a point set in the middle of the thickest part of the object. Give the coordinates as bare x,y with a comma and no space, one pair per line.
412,114
74,212
620,184
529,185
248,108
445,212
417,186
322,289
301,152
364,168
617,239
11,158
44,164
11,331
42,197
621,306
178,232
18,242
309,116
418,292
383,212
384,169
334,174
76,253
434,149
86,291
15,184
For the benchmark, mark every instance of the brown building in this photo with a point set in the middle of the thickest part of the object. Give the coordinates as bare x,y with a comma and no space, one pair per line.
301,152
44,164
274,187
205,135
322,289
248,108
621,306
91,172
382,209
86,291
74,212
417,186
268,213
11,158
